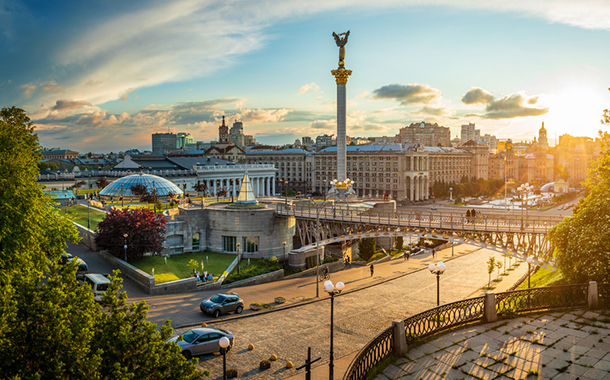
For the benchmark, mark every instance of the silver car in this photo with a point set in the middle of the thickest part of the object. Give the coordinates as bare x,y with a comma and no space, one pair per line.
202,340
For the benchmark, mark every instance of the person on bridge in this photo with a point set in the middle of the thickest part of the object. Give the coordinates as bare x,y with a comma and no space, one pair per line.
372,270
467,215
473,214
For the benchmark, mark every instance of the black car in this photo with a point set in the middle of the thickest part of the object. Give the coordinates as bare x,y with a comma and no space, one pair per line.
222,304
82,267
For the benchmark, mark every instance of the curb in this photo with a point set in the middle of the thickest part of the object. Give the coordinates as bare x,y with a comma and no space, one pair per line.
311,301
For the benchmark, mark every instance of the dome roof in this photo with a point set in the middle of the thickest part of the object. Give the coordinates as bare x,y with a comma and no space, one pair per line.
151,182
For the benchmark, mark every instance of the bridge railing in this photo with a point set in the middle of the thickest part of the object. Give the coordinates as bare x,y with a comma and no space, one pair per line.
484,308
441,220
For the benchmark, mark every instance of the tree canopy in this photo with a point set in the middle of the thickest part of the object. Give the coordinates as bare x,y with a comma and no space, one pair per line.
145,232
50,326
583,239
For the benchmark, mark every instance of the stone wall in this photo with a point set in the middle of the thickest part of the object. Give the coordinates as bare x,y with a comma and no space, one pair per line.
87,235
335,266
298,260
262,279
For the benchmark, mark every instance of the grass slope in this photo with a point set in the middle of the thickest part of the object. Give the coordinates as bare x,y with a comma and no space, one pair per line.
177,268
79,215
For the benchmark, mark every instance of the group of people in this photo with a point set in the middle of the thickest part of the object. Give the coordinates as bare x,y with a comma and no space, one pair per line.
207,277
471,215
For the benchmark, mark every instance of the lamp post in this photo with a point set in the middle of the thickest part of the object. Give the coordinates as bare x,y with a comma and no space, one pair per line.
154,198
125,246
224,345
324,190
451,193
524,190
529,261
284,244
332,291
122,196
437,269
238,258
88,218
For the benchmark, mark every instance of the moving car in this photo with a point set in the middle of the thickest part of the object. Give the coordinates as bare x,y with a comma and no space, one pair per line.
221,304
202,340
82,267
99,284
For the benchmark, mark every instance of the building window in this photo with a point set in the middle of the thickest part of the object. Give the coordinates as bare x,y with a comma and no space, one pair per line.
229,244
196,242
250,244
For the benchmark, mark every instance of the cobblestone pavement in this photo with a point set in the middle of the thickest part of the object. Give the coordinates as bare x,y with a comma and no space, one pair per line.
558,345
359,315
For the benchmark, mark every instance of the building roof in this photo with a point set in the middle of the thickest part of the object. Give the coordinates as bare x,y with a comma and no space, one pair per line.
163,186
283,151
366,148
59,151
445,149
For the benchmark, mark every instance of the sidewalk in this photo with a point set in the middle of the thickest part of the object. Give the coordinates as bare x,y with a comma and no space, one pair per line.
321,370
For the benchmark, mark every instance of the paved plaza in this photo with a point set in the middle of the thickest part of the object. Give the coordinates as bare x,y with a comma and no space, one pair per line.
556,345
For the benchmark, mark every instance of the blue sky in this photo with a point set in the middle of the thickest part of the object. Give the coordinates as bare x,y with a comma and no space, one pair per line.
104,75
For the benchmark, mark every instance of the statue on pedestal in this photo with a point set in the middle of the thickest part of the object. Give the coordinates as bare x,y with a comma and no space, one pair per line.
341,42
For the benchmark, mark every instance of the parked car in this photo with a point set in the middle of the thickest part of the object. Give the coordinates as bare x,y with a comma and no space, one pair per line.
433,208
202,340
221,304
99,284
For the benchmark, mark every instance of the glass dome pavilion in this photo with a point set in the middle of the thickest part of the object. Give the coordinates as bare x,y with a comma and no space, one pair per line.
151,182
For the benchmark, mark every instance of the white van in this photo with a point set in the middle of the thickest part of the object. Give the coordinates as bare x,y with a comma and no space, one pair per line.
99,284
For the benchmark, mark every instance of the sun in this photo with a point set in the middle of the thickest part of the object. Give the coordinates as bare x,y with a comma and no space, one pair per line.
576,109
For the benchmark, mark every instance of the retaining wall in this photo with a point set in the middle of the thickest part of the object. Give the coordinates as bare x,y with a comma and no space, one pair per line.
333,267
262,279
87,235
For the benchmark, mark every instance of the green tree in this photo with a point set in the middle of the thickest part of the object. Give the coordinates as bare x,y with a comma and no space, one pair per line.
491,265
367,248
582,240
32,231
399,243
50,326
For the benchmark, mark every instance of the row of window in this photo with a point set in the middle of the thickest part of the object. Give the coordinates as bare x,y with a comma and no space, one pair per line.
249,244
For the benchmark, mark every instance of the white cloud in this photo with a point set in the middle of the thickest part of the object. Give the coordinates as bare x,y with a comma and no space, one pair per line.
309,86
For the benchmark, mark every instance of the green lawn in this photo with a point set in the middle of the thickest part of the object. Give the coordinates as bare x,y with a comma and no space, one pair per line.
256,268
79,215
177,269
544,277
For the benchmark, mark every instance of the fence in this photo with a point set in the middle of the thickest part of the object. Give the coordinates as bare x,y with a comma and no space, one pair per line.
486,308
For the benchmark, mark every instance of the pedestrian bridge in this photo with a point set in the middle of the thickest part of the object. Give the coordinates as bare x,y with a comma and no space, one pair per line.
514,235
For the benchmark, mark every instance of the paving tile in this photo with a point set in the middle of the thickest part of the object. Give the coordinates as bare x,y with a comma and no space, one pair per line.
478,371
392,371
492,334
595,373
602,364
557,363
381,376
500,368
589,341
484,361
586,360
415,353
454,374
591,315
441,368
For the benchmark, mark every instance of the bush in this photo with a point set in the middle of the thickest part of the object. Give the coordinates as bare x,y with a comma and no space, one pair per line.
256,268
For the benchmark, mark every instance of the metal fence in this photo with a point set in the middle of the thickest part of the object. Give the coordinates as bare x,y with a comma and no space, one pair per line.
435,320
443,317
603,295
374,352
541,298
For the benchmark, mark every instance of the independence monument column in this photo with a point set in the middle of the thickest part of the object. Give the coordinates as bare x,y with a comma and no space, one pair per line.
341,186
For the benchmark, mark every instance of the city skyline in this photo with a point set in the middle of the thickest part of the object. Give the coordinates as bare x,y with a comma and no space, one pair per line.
106,76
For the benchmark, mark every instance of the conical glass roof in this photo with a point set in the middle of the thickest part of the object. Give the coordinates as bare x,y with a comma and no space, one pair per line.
246,195
151,182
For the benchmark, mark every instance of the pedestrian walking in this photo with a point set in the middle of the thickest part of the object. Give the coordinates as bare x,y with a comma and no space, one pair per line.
372,270
473,215
467,215
433,253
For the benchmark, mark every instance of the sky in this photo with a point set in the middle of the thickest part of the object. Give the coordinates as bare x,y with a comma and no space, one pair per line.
103,75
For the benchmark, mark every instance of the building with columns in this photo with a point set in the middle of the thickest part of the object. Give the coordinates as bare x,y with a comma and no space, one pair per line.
293,170
228,177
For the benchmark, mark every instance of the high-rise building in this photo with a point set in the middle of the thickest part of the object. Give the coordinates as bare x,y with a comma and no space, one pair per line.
425,134
183,139
223,132
469,132
236,134
491,141
543,142
307,141
163,142
324,141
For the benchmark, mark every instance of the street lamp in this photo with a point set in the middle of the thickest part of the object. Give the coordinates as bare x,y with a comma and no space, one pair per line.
125,246
122,197
284,244
529,260
324,189
238,258
88,217
224,345
524,189
451,193
437,269
332,291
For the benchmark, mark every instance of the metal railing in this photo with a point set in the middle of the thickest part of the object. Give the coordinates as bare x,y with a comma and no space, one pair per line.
374,352
603,291
542,298
440,318
440,220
